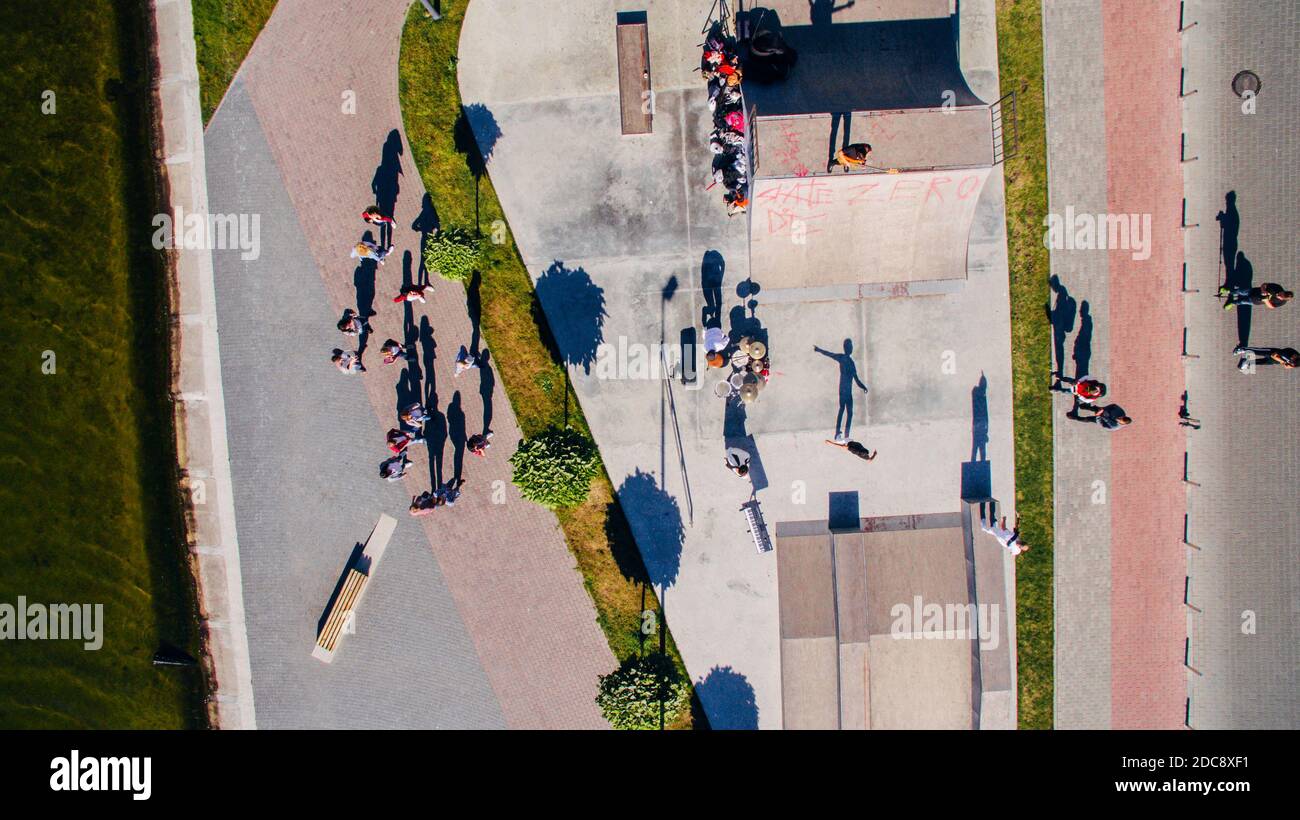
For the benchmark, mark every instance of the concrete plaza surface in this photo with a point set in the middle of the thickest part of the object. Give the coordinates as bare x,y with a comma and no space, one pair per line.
620,234
477,617
1244,580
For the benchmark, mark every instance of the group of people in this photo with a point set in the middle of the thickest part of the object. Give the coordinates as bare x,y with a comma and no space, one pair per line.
1271,296
412,417
1087,392
720,66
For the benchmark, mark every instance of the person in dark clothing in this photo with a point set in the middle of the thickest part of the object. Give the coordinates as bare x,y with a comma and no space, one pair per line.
1288,357
855,448
850,157
1270,294
1110,417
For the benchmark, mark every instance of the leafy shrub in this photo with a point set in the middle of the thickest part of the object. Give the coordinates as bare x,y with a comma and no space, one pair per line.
453,253
555,467
631,696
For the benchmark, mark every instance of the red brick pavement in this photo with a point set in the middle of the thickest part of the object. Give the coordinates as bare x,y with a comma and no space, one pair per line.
1148,563
512,578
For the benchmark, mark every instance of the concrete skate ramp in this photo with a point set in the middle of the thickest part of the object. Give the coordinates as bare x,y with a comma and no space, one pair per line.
852,64
863,227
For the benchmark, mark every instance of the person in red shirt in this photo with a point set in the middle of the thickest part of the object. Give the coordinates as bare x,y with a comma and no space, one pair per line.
1085,388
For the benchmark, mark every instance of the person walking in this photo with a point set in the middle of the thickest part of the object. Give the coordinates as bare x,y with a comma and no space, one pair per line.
1270,294
425,503
850,157
352,324
451,491
465,361
1288,357
479,443
1085,388
1110,417
348,361
1008,538
372,216
394,468
737,461
399,440
414,415
393,351
365,249
855,448
412,293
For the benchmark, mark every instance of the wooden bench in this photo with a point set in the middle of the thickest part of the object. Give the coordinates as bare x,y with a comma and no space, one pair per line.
636,105
340,616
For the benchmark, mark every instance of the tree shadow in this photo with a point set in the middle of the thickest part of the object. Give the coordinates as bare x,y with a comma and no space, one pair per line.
475,135
658,526
576,307
848,379
730,697
1061,315
386,182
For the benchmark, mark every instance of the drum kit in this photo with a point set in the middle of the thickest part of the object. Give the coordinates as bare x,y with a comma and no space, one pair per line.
746,380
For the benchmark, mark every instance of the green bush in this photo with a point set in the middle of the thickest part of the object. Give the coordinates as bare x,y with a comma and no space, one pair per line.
631,697
453,253
555,467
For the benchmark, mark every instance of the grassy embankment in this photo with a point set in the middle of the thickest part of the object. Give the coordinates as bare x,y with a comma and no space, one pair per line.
89,494
1020,56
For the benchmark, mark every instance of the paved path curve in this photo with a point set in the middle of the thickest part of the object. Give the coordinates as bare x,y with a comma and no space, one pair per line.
477,616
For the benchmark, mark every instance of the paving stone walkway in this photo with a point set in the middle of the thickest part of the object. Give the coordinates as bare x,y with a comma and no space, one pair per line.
477,616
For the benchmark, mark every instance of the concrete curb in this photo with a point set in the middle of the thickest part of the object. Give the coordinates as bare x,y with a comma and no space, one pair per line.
197,388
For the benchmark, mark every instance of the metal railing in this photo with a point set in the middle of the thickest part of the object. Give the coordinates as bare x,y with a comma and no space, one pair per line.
1004,148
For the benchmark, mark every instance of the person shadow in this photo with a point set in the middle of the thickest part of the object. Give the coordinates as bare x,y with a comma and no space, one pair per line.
1229,220
456,434
822,12
848,379
735,419
1082,354
712,270
428,224
486,387
977,474
1061,315
1243,277
386,182
837,135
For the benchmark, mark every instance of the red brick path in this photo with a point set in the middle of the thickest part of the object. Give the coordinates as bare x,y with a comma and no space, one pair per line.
1148,564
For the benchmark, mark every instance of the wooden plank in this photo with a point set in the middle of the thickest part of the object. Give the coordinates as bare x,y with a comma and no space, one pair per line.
634,78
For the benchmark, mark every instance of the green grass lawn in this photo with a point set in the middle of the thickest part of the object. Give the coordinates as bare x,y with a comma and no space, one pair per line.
224,31
1020,55
89,494
514,325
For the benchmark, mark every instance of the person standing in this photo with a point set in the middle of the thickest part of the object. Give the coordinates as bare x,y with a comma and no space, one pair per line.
412,293
372,216
394,468
348,361
365,249
352,324
855,448
393,351
465,361
1111,417
479,443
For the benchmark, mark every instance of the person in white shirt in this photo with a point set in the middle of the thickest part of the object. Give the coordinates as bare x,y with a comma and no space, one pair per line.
1008,538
